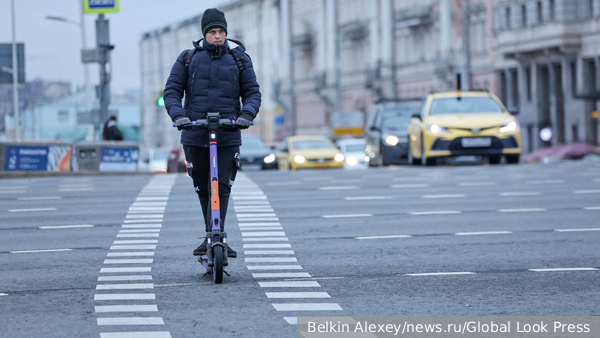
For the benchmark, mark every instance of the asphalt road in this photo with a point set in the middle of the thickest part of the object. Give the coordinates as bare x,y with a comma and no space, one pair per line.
110,256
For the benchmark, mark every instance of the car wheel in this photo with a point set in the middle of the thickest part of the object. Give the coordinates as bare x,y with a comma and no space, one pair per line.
382,159
494,159
512,159
424,160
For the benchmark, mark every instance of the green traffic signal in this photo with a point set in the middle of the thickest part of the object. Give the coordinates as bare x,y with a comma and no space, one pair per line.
161,101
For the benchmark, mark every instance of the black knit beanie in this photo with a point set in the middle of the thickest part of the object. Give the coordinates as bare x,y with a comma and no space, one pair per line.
213,18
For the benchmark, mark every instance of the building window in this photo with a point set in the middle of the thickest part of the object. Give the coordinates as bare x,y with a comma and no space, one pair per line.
524,15
552,10
528,83
63,116
591,8
540,13
507,17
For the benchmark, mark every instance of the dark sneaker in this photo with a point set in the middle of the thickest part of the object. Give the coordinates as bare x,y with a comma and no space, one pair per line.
201,250
230,252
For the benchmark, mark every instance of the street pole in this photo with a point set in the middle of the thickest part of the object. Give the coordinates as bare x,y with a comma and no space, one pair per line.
394,47
86,67
338,61
103,49
15,73
467,44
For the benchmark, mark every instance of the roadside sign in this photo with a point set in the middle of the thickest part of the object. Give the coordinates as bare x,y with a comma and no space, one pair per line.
100,6
6,63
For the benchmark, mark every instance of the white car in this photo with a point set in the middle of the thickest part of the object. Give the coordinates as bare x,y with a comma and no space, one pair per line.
156,161
354,153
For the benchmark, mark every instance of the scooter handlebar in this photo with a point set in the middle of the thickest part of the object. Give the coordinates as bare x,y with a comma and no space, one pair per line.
204,124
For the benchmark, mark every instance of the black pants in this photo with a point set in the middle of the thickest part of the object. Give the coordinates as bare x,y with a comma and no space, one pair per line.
198,159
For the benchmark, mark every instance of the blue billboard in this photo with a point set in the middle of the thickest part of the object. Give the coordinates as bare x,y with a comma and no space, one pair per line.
119,159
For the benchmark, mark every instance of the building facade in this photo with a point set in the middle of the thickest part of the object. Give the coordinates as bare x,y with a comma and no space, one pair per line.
252,22
548,63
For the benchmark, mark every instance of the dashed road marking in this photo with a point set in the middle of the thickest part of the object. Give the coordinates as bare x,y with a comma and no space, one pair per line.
344,216
121,254
591,208
135,241
129,226
271,260
483,233
47,250
476,184
359,198
39,198
303,284
269,252
267,246
266,239
258,224
139,231
523,210
382,237
264,234
563,269
545,182
439,273
422,213
523,193
587,191
129,261
339,188
142,220
137,235
121,278
274,267
133,247
445,196
575,230
124,286
119,270
400,186
36,209
281,275
66,226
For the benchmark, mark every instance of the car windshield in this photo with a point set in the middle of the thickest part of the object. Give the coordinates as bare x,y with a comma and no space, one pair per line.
160,155
355,148
251,143
464,105
396,120
311,144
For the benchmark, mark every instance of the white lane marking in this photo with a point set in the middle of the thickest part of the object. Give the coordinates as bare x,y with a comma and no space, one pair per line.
260,228
13,187
522,193
574,230
307,307
261,219
131,321
248,197
274,267
39,198
476,184
255,215
297,295
144,216
66,226
291,320
378,237
254,209
131,212
283,183
259,224
266,246
587,191
126,308
339,188
3,294
260,234
281,275
75,189
129,261
445,196
129,226
271,260
133,247
152,199
75,185
591,208
139,231
137,235
306,284
27,210
351,215
49,250
124,254
439,273
137,241
121,278
124,286
359,198
142,220
148,204
523,210
244,207
400,186
238,193
563,269
12,191
147,208
322,178
545,182
124,296
115,270
266,239
251,203
269,252
483,233
421,213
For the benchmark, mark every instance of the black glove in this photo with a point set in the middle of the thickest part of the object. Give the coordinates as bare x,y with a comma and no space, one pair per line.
244,120
180,121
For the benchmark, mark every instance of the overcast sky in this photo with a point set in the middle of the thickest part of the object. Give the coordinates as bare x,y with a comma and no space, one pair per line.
52,48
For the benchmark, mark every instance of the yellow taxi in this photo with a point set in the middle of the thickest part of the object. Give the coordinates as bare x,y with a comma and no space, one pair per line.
463,124
308,152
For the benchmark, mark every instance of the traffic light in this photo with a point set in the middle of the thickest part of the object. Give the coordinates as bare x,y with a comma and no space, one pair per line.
161,101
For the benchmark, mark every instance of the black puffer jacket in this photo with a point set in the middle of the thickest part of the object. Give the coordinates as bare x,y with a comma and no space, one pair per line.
214,84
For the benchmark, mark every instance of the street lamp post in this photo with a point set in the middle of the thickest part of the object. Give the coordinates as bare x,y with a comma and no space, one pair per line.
86,70
15,74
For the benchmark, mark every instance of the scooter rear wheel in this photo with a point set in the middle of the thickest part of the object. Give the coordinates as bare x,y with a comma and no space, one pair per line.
218,264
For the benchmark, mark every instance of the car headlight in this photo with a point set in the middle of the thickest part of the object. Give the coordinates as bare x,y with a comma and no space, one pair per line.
351,161
339,157
434,128
299,159
367,158
270,158
512,126
391,140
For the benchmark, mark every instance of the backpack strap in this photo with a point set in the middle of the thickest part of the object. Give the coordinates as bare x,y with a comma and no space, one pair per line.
186,62
238,56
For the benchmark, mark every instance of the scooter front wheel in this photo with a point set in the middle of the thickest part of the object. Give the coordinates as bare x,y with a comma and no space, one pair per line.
218,264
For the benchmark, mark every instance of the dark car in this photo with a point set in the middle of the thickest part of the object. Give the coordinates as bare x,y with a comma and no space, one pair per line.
387,131
255,154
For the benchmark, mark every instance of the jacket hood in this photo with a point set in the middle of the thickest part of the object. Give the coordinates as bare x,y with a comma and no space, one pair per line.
229,43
